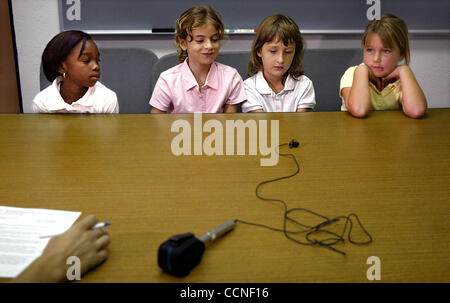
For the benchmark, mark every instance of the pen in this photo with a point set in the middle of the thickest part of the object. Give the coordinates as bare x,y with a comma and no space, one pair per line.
98,225
101,224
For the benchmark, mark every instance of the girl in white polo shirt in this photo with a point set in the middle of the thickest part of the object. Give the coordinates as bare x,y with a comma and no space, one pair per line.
71,61
277,83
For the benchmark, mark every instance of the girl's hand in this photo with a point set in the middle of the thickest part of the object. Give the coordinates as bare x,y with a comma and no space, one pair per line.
395,75
357,97
230,108
372,78
414,102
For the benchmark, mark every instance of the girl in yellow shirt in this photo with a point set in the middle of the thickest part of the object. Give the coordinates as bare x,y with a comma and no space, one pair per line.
382,83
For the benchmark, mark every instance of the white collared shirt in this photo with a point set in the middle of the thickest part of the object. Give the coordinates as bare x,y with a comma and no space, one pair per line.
98,99
295,94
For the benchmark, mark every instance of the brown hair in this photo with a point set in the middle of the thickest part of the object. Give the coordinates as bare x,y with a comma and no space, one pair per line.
192,18
284,28
393,31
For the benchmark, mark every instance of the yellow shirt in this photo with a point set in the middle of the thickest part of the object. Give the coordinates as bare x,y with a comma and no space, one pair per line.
388,98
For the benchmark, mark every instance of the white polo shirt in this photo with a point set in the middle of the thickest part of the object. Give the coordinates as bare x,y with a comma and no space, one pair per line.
98,99
295,94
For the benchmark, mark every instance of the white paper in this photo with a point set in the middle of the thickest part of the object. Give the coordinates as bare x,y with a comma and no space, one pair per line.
20,231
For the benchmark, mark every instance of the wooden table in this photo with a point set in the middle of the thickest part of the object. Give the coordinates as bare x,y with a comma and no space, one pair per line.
392,171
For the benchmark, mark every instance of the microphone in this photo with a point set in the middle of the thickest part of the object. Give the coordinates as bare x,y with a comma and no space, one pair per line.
181,253
293,143
217,232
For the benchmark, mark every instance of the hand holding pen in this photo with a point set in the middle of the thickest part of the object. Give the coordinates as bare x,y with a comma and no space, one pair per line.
86,240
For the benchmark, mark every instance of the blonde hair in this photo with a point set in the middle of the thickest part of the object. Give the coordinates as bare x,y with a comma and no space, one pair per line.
393,31
192,18
285,29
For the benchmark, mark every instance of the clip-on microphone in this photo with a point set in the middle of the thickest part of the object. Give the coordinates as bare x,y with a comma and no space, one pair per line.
293,143
181,253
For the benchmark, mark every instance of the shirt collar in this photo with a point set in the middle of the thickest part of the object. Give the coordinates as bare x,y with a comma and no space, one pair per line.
211,80
289,84
60,104
189,79
263,87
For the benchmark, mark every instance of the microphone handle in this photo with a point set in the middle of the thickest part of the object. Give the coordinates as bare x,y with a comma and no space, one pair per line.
217,232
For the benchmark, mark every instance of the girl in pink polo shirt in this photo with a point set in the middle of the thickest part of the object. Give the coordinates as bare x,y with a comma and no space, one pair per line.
198,83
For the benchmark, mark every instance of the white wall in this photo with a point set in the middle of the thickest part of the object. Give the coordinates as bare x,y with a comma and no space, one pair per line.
37,21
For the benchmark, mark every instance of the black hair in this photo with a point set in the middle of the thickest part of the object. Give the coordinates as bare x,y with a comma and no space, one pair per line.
59,48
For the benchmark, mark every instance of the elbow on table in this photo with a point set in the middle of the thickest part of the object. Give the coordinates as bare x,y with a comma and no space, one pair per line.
359,112
415,113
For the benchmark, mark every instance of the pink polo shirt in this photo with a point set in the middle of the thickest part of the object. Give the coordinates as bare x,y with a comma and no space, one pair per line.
177,90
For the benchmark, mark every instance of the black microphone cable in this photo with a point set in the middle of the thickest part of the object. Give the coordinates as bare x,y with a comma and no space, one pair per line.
310,232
